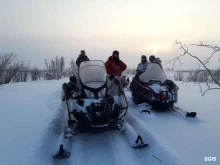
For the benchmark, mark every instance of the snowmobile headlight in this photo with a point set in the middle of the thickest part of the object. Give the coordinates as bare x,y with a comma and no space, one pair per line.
89,94
101,94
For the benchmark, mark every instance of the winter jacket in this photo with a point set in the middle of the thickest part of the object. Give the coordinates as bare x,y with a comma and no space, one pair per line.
142,67
80,59
158,61
110,67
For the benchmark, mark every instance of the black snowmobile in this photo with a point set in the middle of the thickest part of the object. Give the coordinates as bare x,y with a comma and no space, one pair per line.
99,106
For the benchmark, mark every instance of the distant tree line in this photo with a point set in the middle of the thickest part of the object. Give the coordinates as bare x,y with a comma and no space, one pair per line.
14,70
200,76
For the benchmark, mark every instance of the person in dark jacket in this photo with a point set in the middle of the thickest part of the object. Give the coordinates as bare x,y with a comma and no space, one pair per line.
82,57
114,65
158,61
152,58
155,60
70,87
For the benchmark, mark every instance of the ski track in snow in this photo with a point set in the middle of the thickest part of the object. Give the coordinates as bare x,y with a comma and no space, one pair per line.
158,147
43,150
95,149
113,148
164,128
105,148
110,147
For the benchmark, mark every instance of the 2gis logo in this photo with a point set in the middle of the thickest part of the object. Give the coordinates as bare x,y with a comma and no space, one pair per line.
210,159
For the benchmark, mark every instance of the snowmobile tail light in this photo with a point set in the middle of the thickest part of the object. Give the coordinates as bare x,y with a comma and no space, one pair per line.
89,94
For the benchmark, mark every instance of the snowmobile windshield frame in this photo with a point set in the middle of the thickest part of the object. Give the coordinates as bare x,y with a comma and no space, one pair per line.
93,73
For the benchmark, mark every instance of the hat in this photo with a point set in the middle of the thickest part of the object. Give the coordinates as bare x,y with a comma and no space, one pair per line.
151,58
143,56
115,52
157,60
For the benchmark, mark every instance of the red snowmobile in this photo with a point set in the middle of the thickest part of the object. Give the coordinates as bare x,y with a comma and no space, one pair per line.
152,87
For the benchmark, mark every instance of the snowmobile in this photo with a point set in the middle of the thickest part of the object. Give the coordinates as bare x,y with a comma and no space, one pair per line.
125,81
99,106
154,88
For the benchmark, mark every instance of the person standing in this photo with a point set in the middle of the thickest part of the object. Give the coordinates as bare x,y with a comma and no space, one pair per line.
82,57
114,65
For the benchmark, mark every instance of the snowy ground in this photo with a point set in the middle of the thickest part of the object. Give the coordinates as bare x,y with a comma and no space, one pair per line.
31,116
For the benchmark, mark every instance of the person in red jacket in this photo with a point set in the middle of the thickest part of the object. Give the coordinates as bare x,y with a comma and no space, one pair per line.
114,65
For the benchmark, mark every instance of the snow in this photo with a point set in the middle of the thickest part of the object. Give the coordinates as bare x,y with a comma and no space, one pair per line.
157,88
32,120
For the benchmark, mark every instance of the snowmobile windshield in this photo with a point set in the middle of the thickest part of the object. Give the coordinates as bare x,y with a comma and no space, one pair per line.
153,72
92,73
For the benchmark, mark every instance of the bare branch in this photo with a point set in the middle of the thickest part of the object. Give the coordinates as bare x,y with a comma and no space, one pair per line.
215,49
187,52
208,90
198,75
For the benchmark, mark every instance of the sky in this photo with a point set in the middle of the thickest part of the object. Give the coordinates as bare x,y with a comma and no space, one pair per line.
43,29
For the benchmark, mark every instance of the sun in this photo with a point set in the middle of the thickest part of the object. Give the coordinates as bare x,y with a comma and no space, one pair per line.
157,47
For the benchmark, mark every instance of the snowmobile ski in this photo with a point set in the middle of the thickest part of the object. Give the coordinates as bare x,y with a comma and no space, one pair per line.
139,145
62,154
187,114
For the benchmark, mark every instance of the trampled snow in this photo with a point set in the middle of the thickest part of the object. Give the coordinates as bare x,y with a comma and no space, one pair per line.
32,119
